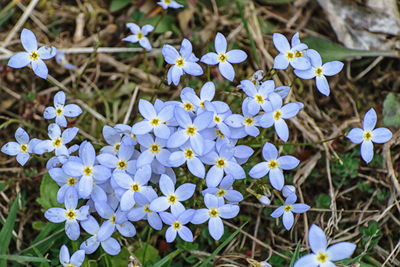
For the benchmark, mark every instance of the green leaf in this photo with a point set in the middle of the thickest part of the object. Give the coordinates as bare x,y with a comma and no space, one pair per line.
118,4
220,247
48,193
150,252
167,258
22,258
330,51
295,255
6,231
391,111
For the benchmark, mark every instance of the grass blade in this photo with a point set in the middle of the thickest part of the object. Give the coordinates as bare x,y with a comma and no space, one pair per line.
167,258
6,232
23,258
295,255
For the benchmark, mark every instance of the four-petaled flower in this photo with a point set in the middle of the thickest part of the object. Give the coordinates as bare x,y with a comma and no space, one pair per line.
177,223
287,211
60,110
139,35
75,260
169,4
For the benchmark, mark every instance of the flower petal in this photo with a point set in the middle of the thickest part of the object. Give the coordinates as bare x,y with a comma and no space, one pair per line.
341,250
316,239
356,135
381,135
28,40
369,120
220,43
236,56
19,60
226,69
40,68
367,151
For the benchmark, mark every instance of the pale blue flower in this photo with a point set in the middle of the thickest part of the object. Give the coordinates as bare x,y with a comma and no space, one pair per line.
278,115
177,223
242,153
223,58
287,190
65,182
153,151
225,191
169,4
294,55
122,162
22,148
62,60
248,120
139,35
219,114
172,198
142,209
286,211
113,139
322,254
274,166
70,214
57,140
186,154
60,110
207,93
257,96
33,55
182,62
90,245
319,71
264,200
368,135
75,260
213,213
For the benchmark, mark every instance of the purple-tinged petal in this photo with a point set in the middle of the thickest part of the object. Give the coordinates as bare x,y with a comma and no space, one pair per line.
19,60
220,43
287,220
316,239
28,40
40,68
341,250
210,58
322,85
356,135
332,68
367,151
381,135
226,69
280,42
369,120
216,227
236,56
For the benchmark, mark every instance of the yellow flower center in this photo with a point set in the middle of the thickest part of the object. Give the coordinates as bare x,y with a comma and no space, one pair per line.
188,106
155,149
34,56
188,153
249,121
23,147
71,181
176,225
146,209
322,257
116,147
272,164
191,130
57,142
221,192
202,104
155,122
298,54
71,214
180,62
221,163
217,119
172,199
213,212
59,111
220,134
222,57
135,187
113,219
290,55
88,170
277,114
121,165
70,265
287,208
367,135
133,136
259,99
318,71
140,35
167,2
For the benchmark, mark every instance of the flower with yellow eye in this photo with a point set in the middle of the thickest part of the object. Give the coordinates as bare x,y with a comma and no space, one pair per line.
66,182
286,211
33,55
214,211
169,4
248,121
207,93
153,152
273,165
319,71
279,114
75,260
225,191
22,147
122,162
112,136
177,223
322,254
186,154
60,110
139,35
368,135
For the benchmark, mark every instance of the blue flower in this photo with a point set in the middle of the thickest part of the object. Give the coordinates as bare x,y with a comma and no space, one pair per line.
153,151
295,55
263,199
62,60
248,121
121,162
222,161
70,215
368,135
225,191
153,120
273,165
142,211
65,182
22,147
213,213
219,113
113,138
277,115
90,245
258,96
207,93
322,254
33,55
287,190
186,154
172,198
57,140
130,186
177,223
169,4
287,211
60,110
319,71
75,260
223,58
183,62
139,35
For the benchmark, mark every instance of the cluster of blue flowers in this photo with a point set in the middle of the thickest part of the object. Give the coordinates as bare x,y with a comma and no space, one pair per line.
132,177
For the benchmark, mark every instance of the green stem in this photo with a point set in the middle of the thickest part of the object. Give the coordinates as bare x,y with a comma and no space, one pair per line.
145,246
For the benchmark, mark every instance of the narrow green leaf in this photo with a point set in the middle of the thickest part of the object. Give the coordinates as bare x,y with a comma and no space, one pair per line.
118,4
6,231
48,193
167,258
295,255
220,247
330,51
22,258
